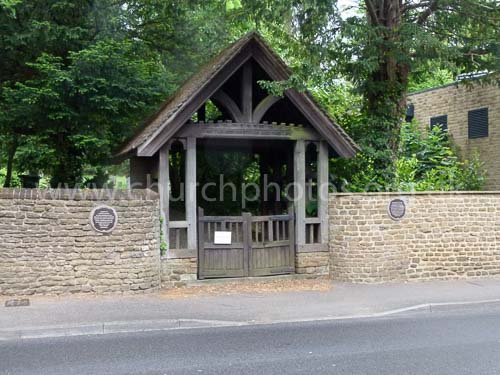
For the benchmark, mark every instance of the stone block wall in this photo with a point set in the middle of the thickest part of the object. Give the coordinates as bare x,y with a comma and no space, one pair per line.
442,236
312,263
47,245
456,101
178,271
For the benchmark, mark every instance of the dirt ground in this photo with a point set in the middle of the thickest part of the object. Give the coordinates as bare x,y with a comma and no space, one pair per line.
249,287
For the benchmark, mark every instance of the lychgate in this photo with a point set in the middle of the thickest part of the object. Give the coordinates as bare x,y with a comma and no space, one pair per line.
242,174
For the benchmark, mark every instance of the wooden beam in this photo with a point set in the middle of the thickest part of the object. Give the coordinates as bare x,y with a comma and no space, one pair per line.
299,164
191,192
174,123
247,92
223,100
313,248
278,72
248,131
181,253
263,107
323,169
164,188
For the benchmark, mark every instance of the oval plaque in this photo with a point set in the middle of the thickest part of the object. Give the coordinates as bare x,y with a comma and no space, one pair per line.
103,219
397,209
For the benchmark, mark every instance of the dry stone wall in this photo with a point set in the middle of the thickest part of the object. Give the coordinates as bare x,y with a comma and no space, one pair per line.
47,245
441,236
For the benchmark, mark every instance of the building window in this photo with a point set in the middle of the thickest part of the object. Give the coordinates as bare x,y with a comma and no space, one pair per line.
410,112
441,121
478,123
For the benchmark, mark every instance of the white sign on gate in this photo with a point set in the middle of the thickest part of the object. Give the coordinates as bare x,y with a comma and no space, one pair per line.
222,238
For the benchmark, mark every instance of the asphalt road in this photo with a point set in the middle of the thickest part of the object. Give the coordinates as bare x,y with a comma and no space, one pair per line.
459,342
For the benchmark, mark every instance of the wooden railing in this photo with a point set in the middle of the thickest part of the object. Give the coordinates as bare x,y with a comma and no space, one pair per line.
271,229
313,230
177,231
233,224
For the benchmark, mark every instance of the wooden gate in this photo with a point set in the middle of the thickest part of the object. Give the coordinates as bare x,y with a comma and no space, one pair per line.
259,246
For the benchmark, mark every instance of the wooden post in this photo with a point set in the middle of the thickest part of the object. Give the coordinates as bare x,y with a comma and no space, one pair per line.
291,237
299,167
247,242
201,242
164,189
246,92
191,192
323,191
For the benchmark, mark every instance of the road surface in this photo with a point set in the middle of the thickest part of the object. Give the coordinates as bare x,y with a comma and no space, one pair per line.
453,342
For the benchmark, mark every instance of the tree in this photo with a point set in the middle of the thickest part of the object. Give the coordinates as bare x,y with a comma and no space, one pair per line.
379,48
83,108
78,77
69,88
28,29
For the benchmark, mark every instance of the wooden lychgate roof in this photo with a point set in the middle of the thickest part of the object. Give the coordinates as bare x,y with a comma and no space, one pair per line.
178,109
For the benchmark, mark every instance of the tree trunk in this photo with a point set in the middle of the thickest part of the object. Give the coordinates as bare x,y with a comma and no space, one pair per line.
67,168
386,89
10,161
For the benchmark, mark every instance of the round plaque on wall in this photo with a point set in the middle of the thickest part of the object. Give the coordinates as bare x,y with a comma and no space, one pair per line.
397,209
103,219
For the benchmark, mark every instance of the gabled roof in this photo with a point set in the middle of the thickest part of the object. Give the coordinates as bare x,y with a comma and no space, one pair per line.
177,109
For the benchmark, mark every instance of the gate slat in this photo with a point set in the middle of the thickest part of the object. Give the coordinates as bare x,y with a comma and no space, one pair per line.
247,242
177,238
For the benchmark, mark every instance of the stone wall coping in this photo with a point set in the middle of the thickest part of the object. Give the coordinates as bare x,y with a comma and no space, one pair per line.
456,84
79,194
447,85
406,193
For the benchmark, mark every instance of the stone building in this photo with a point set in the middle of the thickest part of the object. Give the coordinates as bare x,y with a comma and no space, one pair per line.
470,114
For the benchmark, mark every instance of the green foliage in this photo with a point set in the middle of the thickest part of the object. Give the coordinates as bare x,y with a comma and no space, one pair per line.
82,108
312,208
382,49
236,168
78,77
429,76
427,162
16,181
